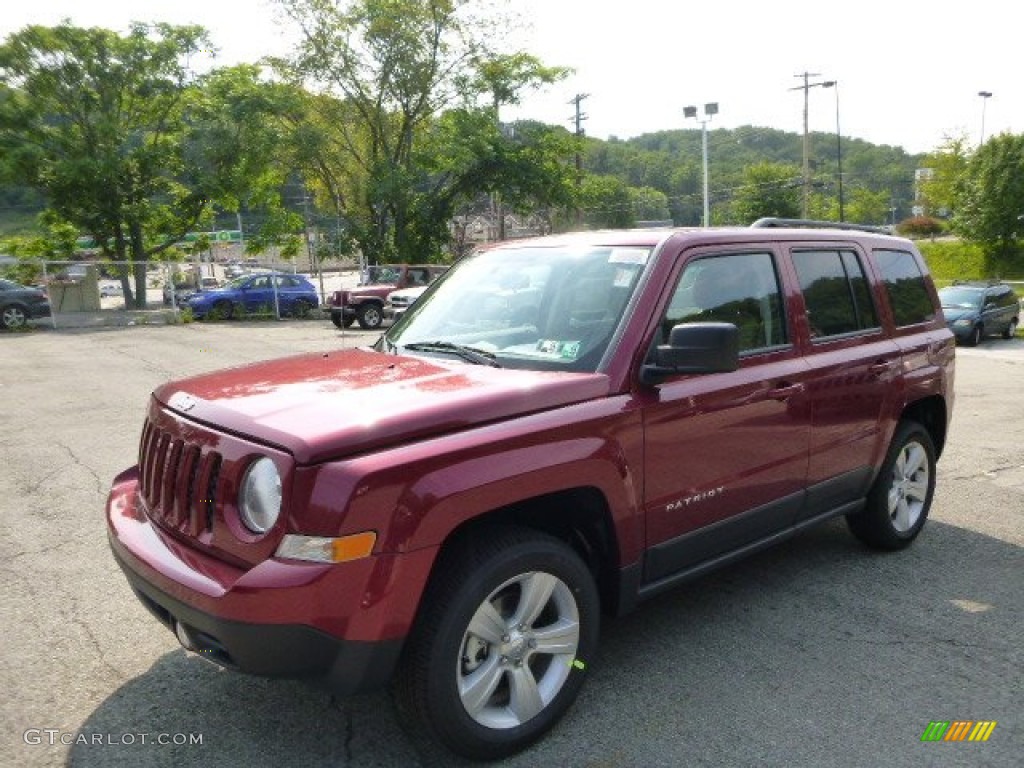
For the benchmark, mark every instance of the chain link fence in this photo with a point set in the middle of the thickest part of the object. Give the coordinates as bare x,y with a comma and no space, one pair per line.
98,292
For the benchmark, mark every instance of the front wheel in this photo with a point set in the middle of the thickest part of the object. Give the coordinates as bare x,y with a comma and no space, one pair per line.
898,503
975,337
370,316
499,653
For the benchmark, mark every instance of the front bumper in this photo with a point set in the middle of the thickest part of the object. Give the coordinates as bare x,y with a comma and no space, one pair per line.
961,332
329,624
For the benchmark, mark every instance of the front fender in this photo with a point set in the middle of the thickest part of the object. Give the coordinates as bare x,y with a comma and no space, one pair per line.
415,495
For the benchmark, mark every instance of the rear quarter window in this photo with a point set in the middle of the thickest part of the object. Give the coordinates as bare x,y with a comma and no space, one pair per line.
905,287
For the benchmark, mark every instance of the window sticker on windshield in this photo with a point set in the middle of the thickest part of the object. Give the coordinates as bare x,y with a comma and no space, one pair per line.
628,256
567,350
623,278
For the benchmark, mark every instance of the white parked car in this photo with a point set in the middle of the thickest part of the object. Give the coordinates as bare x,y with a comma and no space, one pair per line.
399,301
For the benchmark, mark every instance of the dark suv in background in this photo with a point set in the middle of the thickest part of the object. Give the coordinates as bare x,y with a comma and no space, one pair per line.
977,309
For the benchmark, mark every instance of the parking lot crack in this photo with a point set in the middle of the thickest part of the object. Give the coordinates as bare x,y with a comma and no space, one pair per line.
100,486
97,646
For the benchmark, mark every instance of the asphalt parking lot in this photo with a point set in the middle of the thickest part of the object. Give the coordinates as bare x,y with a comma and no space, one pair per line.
816,653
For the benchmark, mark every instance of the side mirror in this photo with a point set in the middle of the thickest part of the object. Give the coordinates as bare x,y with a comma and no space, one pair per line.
694,348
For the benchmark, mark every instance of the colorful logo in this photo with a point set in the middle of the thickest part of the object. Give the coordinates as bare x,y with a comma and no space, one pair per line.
958,730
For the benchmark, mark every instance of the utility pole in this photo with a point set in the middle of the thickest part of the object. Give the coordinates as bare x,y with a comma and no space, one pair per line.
578,119
806,87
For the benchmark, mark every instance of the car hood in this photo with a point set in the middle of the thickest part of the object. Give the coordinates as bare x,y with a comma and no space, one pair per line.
953,314
327,406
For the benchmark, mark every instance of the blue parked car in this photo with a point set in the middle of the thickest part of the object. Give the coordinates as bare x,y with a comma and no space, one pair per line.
254,294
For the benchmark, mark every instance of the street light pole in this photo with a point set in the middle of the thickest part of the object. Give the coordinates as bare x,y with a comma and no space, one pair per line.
985,96
710,110
839,148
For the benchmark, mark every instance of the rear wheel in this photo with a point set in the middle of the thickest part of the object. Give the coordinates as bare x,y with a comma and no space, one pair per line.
500,649
301,308
898,503
13,316
1011,329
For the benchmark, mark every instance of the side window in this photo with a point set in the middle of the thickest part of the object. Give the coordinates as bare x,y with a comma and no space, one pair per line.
905,287
741,288
835,292
258,283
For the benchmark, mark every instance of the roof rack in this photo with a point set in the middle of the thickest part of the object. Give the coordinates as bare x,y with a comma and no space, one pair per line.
769,222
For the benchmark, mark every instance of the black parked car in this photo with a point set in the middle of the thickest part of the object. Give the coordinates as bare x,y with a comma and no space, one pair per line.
19,304
974,310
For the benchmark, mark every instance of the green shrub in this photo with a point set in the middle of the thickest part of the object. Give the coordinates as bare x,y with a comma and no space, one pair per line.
951,260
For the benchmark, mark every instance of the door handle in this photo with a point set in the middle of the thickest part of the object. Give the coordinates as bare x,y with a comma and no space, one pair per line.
882,366
785,391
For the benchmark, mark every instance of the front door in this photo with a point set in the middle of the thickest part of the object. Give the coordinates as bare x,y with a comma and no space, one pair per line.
726,454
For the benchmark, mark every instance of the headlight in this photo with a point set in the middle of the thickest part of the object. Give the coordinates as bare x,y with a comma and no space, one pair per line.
963,322
259,501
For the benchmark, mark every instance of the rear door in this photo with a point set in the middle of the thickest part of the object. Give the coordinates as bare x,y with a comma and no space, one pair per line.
853,363
726,454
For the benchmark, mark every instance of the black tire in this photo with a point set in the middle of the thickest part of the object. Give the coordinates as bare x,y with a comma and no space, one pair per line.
898,503
341,321
370,316
223,310
526,673
977,332
13,316
1011,330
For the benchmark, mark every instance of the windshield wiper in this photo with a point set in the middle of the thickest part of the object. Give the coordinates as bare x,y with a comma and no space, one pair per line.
469,354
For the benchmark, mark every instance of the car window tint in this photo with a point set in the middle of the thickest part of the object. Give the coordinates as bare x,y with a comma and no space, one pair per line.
741,288
835,292
905,286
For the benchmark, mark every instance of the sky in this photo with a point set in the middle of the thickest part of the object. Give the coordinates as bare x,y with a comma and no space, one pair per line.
909,73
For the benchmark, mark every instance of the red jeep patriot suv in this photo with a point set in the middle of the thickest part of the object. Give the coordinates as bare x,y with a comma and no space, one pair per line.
555,428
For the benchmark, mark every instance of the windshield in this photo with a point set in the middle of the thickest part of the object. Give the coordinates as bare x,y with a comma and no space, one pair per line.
376,275
538,308
961,298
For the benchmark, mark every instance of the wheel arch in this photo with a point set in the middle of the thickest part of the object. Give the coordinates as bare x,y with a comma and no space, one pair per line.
579,517
931,413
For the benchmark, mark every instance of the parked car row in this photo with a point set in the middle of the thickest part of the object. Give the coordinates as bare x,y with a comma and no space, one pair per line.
366,302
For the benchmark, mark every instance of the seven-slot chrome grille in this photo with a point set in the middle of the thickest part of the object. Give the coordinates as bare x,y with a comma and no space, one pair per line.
178,481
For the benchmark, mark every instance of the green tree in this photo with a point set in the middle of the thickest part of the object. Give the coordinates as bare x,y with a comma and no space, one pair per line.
240,147
769,189
649,204
989,200
93,120
946,167
606,202
396,139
